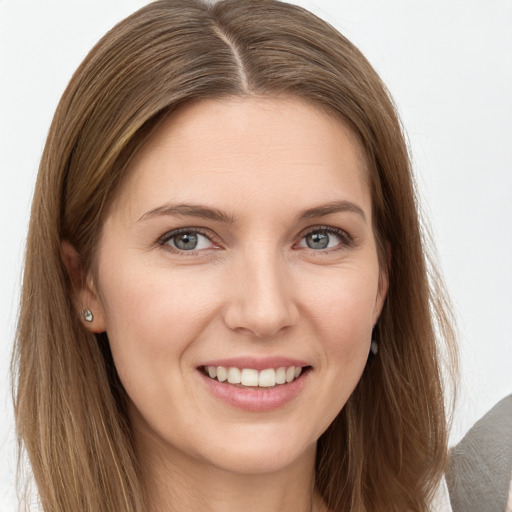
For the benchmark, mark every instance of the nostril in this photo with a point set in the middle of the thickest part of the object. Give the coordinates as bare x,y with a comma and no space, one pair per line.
262,313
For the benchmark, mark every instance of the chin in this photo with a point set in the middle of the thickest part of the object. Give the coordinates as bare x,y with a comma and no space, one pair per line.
260,450
263,459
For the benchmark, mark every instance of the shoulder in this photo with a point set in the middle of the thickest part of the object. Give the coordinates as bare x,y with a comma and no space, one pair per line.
480,467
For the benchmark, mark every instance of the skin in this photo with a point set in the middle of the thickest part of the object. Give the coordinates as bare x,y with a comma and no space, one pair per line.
253,288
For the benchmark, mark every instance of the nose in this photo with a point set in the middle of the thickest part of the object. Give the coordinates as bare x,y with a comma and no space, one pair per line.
261,297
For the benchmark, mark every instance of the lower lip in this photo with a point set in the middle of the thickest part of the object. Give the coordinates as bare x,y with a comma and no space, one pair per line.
255,399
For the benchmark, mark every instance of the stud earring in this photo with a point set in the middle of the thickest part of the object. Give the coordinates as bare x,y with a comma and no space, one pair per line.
374,346
87,315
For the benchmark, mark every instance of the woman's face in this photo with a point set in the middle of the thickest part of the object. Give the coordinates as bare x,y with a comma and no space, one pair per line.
240,244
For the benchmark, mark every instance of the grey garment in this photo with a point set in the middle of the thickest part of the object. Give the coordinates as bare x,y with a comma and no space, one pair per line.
480,467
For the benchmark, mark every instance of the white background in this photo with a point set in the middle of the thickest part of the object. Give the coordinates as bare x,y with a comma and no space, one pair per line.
448,64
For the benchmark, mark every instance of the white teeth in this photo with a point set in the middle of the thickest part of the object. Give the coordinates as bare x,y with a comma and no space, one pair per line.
249,377
222,373
266,378
234,375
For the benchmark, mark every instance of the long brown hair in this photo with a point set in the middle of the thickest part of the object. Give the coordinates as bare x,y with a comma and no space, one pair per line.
386,449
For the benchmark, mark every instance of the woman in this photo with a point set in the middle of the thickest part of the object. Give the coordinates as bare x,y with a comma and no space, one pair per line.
226,302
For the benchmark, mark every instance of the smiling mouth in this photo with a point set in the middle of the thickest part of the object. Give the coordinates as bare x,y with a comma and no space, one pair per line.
252,378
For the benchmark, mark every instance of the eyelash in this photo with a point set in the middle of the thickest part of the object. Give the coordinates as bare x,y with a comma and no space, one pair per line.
346,241
162,241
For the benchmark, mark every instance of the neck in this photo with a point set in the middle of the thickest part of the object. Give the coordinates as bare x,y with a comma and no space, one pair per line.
176,482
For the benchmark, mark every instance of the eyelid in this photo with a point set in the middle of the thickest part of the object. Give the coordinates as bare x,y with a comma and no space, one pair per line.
347,240
162,240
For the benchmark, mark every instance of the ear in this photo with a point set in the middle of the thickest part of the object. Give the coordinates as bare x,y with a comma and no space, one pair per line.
85,295
383,285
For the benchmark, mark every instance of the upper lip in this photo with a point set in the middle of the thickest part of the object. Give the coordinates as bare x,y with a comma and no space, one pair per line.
257,363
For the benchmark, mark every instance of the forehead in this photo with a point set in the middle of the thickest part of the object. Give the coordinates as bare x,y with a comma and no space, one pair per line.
266,149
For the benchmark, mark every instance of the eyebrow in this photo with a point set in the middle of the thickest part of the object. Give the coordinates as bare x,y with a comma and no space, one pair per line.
330,208
207,212
190,210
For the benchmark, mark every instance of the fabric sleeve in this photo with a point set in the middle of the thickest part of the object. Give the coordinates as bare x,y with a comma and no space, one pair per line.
480,467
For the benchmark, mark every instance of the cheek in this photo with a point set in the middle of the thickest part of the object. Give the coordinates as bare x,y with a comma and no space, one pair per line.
342,316
153,317
345,303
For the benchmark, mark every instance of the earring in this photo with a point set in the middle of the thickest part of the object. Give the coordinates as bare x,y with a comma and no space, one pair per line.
374,346
87,315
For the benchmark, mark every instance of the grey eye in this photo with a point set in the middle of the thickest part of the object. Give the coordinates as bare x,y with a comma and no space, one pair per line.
185,241
318,239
